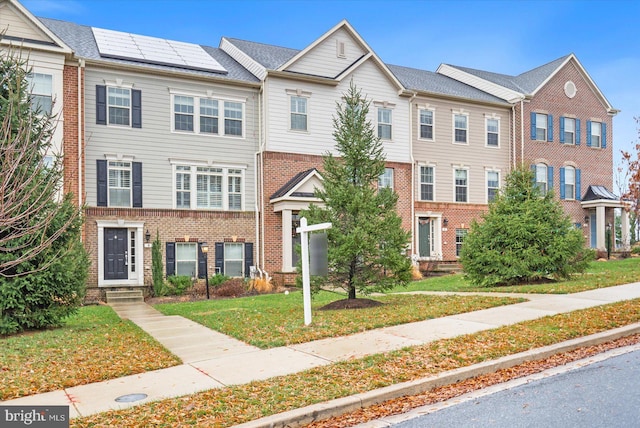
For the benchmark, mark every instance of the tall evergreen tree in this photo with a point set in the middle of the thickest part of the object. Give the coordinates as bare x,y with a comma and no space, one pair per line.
366,242
43,266
525,236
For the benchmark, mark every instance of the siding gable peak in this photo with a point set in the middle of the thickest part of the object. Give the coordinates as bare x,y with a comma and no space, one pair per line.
27,30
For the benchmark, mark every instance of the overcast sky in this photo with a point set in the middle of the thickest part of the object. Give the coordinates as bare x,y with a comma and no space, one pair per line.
507,37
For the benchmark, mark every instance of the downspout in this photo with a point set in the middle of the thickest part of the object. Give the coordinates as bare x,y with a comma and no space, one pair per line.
413,177
81,65
522,131
260,230
513,136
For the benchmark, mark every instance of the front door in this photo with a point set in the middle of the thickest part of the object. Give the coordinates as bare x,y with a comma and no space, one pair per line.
115,254
425,236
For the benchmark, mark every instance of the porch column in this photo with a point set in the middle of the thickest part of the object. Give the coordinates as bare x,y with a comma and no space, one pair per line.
626,236
600,229
287,248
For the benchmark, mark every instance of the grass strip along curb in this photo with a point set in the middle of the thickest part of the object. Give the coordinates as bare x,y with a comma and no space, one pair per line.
329,409
244,403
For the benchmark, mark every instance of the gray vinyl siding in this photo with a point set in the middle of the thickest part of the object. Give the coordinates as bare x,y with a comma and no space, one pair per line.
322,59
155,144
318,139
442,153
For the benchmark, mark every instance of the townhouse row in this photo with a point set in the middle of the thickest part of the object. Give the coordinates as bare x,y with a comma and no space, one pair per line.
224,146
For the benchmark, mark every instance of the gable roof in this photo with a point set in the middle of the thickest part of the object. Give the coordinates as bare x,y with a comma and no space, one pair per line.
81,40
429,82
524,85
288,189
56,43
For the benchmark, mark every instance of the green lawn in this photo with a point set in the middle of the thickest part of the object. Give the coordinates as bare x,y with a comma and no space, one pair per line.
599,275
94,345
274,320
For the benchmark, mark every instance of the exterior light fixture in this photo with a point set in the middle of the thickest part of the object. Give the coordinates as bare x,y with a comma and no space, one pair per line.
147,236
445,222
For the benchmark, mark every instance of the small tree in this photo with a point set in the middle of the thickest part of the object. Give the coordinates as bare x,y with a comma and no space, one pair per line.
523,237
156,266
367,241
43,266
630,183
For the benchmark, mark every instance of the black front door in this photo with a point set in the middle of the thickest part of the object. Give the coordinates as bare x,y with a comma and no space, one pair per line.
115,254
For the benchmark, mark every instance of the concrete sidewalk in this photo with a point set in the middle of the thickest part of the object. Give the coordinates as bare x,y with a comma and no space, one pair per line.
213,360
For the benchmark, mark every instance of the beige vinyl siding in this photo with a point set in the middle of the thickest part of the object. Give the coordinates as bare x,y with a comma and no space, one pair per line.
445,156
155,144
18,26
321,106
322,59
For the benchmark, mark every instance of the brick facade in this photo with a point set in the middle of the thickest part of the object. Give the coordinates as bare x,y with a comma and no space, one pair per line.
71,128
172,226
595,164
279,168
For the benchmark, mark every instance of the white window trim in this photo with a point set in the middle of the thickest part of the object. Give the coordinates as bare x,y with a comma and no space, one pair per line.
546,175
573,142
385,106
225,183
136,278
486,180
299,94
196,113
546,126
130,169
466,168
419,175
31,86
392,184
437,244
487,118
573,195
433,123
242,259
455,113
120,85
599,135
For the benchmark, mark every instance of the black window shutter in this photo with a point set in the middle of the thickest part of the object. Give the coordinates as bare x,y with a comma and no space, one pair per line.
220,257
248,258
137,184
202,264
101,172
101,105
171,258
136,108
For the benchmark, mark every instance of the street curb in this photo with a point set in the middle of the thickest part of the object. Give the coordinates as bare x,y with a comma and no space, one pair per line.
337,407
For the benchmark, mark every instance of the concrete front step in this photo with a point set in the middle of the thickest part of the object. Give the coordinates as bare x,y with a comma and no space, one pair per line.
132,296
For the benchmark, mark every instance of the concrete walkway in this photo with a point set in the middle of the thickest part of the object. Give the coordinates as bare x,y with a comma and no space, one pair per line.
213,360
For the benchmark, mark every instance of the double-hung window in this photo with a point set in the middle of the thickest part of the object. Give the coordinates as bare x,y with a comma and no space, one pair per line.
233,118
386,179
493,185
183,186
216,187
119,106
461,185
119,182
298,113
233,259
384,123
543,177
426,124
569,183
493,127
186,258
460,128
427,183
202,115
597,134
541,126
208,116
41,92
183,110
568,130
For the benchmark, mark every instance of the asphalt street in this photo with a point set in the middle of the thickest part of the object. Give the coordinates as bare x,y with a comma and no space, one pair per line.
602,394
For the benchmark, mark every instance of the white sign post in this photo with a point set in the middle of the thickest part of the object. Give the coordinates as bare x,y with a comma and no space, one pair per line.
304,230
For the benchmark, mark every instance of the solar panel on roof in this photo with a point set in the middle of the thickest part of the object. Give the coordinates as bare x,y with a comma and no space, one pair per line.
154,50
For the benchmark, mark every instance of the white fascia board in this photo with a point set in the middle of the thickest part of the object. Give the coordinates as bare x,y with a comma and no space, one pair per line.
245,60
494,89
